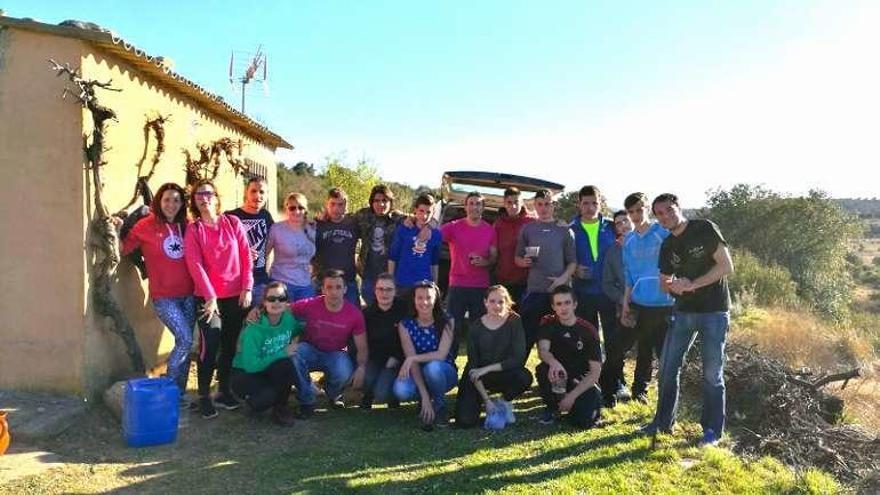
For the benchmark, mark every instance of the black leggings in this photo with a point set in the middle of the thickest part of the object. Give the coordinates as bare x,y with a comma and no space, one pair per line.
584,412
510,383
270,387
224,339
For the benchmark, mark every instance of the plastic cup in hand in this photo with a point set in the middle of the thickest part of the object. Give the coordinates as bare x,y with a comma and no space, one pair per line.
558,386
533,252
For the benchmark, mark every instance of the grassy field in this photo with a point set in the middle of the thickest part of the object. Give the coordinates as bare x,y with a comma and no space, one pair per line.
383,451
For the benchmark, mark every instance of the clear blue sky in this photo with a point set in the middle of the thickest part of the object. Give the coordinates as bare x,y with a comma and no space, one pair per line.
652,96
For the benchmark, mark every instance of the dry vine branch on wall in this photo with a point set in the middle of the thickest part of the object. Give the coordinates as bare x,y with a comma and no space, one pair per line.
157,126
207,166
102,232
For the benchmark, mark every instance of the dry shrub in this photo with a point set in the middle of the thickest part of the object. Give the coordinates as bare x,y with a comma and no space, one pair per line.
801,341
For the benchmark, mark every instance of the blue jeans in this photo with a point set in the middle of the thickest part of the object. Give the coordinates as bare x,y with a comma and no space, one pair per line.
368,286
336,365
461,300
297,292
379,380
682,332
440,377
258,292
179,315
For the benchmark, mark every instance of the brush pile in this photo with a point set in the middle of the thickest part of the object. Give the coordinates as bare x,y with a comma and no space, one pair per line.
774,410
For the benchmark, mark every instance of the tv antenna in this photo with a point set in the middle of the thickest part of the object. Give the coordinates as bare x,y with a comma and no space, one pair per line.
256,68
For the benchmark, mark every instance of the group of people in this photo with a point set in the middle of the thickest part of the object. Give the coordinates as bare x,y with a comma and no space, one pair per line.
584,292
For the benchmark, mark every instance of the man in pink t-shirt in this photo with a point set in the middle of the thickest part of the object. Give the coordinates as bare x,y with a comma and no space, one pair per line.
472,251
330,322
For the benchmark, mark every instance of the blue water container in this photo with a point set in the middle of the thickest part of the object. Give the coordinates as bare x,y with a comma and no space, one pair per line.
150,412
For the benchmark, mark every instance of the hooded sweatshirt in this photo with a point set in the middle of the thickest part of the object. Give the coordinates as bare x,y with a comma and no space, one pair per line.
219,258
163,248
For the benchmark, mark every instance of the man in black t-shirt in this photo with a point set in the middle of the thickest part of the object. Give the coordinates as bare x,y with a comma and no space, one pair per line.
336,237
571,360
256,221
694,265
386,354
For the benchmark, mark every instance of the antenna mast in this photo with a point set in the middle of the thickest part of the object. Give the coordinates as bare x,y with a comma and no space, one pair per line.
251,72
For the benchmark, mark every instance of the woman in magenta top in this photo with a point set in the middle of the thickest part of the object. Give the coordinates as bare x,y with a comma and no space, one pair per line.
159,235
219,261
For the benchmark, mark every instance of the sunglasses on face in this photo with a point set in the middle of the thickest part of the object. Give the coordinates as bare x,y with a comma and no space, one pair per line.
296,208
281,298
205,194
385,289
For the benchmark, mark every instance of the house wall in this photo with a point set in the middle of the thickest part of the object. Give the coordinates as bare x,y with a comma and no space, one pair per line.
41,218
50,138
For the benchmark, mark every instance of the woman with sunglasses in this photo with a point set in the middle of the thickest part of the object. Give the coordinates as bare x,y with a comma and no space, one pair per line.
293,242
428,370
262,371
219,260
159,235
496,361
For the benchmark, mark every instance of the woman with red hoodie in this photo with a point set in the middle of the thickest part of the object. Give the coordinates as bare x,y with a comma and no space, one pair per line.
219,261
159,235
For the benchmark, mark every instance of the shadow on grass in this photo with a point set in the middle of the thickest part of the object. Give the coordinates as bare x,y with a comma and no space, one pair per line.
380,451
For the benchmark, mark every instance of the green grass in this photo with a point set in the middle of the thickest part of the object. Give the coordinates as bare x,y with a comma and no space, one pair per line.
383,451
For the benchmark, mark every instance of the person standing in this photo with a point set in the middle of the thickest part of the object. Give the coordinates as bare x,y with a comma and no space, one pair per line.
219,261
645,307
376,225
160,237
594,237
472,250
694,265
546,249
510,221
336,242
257,221
413,257
293,243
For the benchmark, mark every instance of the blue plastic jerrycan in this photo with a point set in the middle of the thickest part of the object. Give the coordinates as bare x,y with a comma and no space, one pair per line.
150,411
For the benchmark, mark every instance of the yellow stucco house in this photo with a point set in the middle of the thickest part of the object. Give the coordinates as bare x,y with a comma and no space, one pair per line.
50,339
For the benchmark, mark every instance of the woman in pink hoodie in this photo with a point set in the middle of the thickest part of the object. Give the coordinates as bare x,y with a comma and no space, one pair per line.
159,236
219,261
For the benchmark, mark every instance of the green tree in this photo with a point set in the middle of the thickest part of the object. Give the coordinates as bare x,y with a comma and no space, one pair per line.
808,236
356,181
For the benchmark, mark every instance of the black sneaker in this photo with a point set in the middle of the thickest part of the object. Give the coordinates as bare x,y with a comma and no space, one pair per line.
206,408
227,401
548,417
305,411
366,403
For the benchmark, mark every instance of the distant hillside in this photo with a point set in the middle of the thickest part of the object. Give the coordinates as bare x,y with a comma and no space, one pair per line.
863,207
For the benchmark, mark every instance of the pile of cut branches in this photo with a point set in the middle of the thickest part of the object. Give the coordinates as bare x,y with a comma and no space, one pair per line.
788,414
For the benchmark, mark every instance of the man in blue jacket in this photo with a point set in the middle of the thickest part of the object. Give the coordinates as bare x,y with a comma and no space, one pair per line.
594,236
645,307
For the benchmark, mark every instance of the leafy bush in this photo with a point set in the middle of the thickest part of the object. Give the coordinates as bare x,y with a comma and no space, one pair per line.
809,236
754,281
